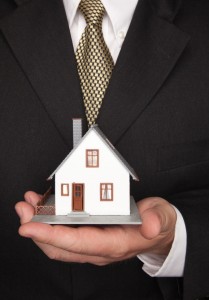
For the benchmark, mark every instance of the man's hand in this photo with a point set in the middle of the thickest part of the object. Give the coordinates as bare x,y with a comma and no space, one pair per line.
102,245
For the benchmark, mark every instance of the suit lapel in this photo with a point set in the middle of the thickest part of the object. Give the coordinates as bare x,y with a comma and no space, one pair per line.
39,36
149,53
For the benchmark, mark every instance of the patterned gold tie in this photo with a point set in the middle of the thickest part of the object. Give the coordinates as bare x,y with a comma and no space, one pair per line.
94,60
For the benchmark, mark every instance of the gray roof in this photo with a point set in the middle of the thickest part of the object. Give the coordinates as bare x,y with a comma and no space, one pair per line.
105,140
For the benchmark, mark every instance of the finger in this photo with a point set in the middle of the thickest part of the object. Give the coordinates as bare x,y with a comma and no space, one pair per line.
149,202
32,198
55,253
158,220
151,216
91,241
25,212
151,224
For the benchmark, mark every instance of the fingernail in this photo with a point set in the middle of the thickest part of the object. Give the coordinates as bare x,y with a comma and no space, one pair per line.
19,211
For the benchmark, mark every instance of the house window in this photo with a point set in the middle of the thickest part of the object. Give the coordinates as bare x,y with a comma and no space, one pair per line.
65,189
92,158
106,191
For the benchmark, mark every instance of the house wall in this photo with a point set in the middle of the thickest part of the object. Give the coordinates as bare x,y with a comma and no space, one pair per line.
110,171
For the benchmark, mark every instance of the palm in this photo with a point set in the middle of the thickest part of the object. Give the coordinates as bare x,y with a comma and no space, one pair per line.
102,245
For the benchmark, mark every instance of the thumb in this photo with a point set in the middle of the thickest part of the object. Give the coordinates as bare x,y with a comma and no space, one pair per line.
151,224
158,218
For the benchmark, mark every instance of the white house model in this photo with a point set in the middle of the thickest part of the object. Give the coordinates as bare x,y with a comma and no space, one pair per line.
94,178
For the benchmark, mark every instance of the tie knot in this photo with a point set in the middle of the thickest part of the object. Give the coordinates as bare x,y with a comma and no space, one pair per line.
93,11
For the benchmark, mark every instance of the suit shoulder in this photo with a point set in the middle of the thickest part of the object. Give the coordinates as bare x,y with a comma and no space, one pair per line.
197,8
193,17
6,7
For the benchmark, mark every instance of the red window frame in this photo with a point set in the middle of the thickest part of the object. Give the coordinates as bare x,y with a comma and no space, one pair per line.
92,158
63,193
105,189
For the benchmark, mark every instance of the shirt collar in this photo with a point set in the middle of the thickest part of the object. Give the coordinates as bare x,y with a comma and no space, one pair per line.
71,7
120,12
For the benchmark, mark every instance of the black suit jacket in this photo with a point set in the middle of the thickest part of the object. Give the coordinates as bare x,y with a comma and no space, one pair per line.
156,112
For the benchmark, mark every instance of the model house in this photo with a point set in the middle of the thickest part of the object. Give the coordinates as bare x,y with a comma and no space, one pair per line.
94,179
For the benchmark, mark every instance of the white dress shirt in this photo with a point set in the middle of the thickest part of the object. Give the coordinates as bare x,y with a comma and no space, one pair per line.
115,26
115,22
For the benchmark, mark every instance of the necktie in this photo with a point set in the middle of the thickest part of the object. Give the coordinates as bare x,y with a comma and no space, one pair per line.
94,60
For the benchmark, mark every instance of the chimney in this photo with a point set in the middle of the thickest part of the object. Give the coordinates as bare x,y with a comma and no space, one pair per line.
77,131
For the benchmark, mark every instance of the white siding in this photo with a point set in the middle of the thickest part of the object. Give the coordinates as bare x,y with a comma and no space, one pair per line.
110,171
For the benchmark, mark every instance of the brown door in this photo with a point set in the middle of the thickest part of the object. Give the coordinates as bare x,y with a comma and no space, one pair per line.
77,197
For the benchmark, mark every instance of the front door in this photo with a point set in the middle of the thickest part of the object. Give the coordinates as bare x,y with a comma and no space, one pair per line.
77,197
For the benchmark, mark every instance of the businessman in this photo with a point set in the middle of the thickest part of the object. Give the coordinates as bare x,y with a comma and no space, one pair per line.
154,108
